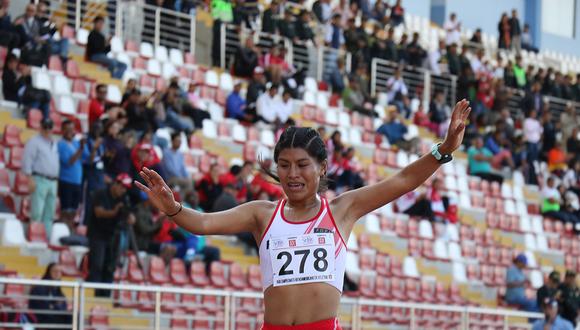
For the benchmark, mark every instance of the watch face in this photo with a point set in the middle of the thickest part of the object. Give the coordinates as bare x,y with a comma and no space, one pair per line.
446,159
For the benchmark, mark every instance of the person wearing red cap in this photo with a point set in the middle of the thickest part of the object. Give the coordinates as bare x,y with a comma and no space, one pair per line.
102,230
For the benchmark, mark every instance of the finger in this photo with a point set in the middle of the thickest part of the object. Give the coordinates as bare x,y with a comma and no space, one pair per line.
142,187
147,179
465,114
156,178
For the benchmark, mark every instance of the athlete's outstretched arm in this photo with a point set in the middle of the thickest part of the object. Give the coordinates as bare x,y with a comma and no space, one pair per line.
233,221
359,202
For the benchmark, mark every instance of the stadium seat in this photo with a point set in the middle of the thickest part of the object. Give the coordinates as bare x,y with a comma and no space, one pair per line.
82,36
267,138
255,277
179,320
68,264
99,317
459,273
226,82
177,272
21,184
410,267
397,289
114,94
135,272
168,71
367,284
146,50
58,231
154,67
161,54
169,301
61,85
12,233
412,289
55,64
11,136
72,69
209,129
66,105
146,302
198,276
383,288
4,181
157,271
238,279
176,57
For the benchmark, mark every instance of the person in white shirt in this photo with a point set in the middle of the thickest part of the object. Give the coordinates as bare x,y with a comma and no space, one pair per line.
532,135
453,29
267,103
397,93
285,107
435,56
477,63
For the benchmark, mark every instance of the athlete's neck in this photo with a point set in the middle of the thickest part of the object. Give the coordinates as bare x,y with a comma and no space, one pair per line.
305,204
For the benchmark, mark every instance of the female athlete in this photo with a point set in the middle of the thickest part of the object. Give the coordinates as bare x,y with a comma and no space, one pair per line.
302,238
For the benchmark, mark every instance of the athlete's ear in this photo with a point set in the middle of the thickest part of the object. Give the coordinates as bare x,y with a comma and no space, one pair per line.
323,167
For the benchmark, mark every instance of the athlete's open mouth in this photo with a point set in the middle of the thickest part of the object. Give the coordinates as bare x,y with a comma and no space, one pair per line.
295,186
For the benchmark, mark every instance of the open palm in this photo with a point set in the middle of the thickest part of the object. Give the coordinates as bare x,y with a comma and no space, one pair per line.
157,190
456,126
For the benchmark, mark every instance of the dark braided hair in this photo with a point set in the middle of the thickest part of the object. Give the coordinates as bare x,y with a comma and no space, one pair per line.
303,138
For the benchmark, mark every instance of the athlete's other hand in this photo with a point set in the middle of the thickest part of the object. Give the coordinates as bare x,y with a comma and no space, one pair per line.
158,191
456,127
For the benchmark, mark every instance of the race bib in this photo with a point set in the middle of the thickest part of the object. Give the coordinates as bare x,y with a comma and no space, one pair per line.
302,259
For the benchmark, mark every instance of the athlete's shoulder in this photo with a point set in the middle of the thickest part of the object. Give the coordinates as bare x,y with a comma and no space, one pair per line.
261,206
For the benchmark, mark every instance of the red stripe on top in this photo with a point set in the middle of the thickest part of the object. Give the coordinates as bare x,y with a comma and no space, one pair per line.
271,220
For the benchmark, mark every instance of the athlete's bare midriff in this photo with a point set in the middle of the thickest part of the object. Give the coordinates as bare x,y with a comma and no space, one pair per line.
301,303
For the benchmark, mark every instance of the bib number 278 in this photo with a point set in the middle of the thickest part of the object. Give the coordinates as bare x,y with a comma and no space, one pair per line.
320,262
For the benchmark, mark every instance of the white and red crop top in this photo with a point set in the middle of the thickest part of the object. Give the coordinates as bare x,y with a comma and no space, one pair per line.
302,252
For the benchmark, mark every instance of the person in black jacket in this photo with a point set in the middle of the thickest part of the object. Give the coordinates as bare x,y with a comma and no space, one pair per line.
49,302
9,77
8,35
246,59
303,30
97,48
270,18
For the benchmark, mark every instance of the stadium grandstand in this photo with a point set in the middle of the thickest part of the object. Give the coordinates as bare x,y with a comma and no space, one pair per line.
201,91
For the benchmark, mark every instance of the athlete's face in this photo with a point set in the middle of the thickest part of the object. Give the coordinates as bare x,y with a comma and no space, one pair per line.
299,173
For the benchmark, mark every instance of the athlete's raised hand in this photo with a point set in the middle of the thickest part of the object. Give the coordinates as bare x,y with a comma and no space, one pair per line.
158,191
456,127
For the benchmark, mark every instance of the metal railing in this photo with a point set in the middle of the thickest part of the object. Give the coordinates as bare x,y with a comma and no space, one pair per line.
318,61
131,20
415,78
160,306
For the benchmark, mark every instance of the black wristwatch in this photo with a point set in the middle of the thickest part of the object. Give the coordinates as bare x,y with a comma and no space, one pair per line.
442,159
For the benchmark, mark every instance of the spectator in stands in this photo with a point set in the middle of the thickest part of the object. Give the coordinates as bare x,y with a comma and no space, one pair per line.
557,159
9,78
70,180
415,53
322,10
106,214
171,109
353,98
533,98
504,28
394,130
480,159
452,28
49,301
397,93
334,36
549,289
40,162
439,113
435,57
519,73
34,47
334,143
256,87
516,285
571,179
130,87
532,135
97,48
117,149
144,155
270,18
453,61
496,143
140,118
48,29
551,202
569,120
93,164
429,204
209,188
174,165
182,106
20,83
146,227
551,318
246,58
286,26
235,104
569,297
8,35
267,105
275,64
476,40
527,41
573,143
515,32
397,14
97,104
336,79
302,26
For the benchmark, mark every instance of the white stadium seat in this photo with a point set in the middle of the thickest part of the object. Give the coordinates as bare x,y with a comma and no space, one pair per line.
114,94
176,57
58,231
267,138
209,129
410,267
425,229
82,36
12,233
154,67
211,78
66,105
239,133
459,272
146,50
41,80
117,45
168,71
372,223
61,85
161,54
226,82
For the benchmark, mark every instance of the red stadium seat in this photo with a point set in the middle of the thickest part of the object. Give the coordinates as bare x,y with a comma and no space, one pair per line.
499,276
238,279
191,302
179,320
189,58
11,136
72,69
135,273
455,295
160,84
251,306
398,289
383,287
367,285
55,64
218,275
412,289
24,213
427,292
364,241
131,46
212,303
99,317
146,81
4,181
427,250
201,320
177,272
21,184
157,272
68,264
383,265
367,259
243,321
396,267
487,274
198,275
441,294
402,228
125,298
3,54
255,277
414,246
473,272
146,302
169,301
37,232
33,119
140,64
